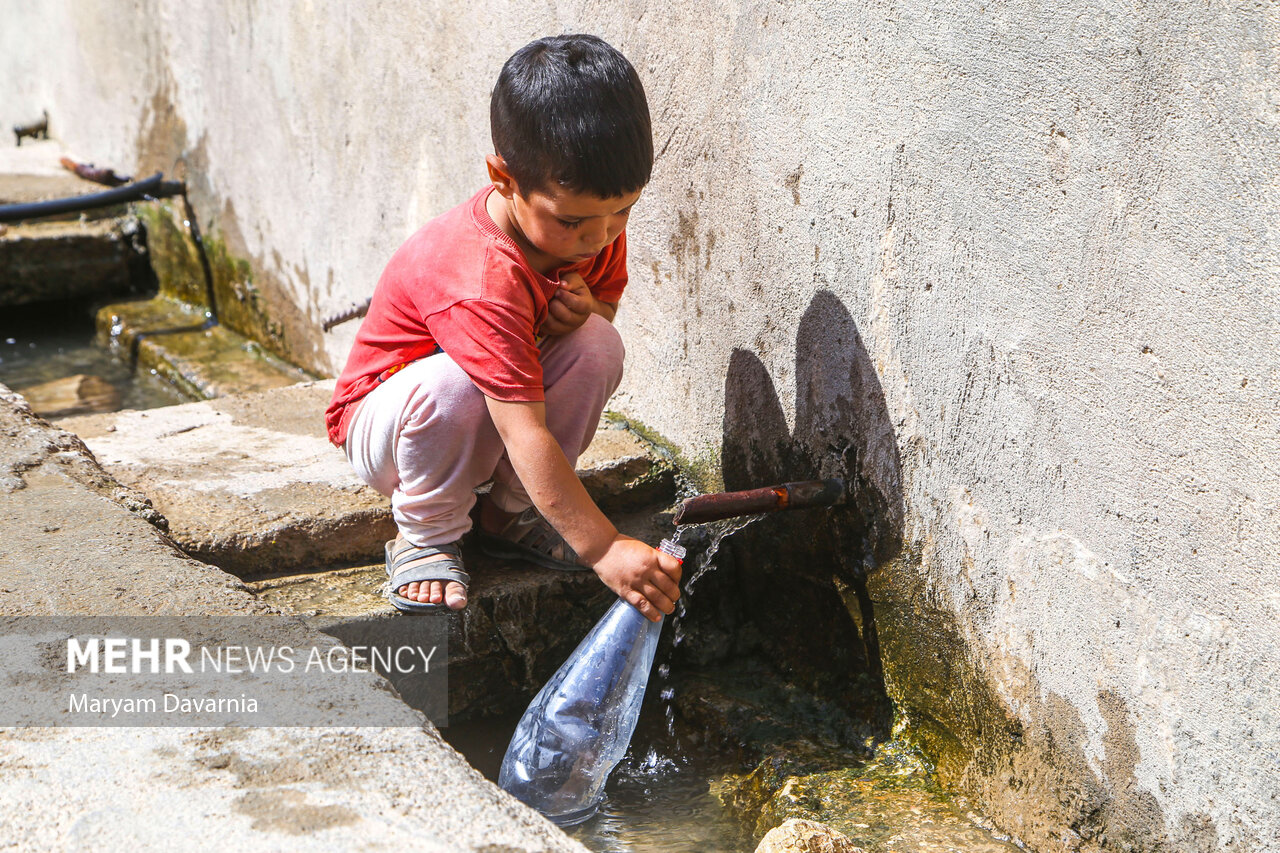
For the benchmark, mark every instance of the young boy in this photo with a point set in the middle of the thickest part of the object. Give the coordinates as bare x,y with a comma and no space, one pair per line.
488,351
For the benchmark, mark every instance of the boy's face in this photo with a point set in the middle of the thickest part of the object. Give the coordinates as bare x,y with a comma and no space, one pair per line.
559,225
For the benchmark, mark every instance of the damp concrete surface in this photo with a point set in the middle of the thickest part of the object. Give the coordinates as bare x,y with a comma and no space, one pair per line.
76,543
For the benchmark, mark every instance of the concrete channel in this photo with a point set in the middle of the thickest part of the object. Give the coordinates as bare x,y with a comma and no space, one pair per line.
232,515
235,511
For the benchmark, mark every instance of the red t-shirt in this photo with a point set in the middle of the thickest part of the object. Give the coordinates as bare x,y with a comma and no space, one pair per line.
462,285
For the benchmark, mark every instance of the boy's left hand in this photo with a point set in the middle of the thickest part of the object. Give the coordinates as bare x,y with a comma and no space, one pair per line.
569,307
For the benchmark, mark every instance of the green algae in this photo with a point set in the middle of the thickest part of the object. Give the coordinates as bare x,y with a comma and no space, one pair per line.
173,341
215,362
944,703
170,335
700,474
241,304
175,257
122,325
891,802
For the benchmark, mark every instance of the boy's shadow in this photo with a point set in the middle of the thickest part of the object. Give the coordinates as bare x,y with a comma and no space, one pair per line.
798,579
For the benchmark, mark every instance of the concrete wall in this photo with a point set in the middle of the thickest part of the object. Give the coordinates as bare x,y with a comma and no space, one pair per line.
1023,256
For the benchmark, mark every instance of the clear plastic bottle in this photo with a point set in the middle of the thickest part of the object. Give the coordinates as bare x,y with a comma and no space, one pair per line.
579,725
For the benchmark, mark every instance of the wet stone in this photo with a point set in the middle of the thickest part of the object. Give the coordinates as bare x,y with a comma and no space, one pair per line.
889,804
174,255
172,340
806,836
74,395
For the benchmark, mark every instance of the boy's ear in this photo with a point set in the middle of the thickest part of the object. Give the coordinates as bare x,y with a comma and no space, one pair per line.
501,178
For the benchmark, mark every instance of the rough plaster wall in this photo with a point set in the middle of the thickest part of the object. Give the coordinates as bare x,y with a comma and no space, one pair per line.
1052,224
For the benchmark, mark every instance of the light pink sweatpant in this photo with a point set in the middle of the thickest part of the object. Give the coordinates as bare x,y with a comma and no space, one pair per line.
424,437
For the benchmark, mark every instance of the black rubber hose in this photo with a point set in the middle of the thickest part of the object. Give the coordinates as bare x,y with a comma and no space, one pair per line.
153,187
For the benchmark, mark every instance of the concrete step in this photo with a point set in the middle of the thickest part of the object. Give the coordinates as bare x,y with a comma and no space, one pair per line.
33,172
58,261
24,187
91,255
171,339
250,482
520,623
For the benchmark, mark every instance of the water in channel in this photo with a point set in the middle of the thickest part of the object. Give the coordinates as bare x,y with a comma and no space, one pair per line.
658,799
43,343
665,795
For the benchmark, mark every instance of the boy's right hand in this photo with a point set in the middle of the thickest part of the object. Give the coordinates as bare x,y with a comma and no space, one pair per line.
644,577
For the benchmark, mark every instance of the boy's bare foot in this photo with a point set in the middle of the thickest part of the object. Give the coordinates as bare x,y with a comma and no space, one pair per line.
435,592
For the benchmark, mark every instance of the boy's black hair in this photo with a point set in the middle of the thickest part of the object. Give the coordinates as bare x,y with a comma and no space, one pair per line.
571,109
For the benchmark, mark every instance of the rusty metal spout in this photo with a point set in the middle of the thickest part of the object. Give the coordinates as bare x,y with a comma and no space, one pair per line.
810,493
90,172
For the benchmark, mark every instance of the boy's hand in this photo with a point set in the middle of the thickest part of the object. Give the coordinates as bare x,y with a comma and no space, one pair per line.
644,577
569,307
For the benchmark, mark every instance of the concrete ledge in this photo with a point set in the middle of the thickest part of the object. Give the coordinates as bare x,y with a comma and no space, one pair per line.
170,339
256,789
250,483
32,172
67,549
52,261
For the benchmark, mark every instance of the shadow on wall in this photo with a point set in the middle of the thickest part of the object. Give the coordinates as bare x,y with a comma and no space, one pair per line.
842,428
798,579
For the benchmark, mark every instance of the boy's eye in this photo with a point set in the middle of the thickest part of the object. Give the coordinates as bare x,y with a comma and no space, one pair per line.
569,223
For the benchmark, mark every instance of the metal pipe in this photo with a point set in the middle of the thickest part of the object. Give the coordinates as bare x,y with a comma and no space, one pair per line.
35,130
344,316
90,172
801,495
153,187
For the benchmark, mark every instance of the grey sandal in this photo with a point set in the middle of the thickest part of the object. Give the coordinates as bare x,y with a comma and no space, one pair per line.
531,537
406,564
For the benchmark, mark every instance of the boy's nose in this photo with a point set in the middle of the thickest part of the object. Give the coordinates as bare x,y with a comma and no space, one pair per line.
610,231
599,238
